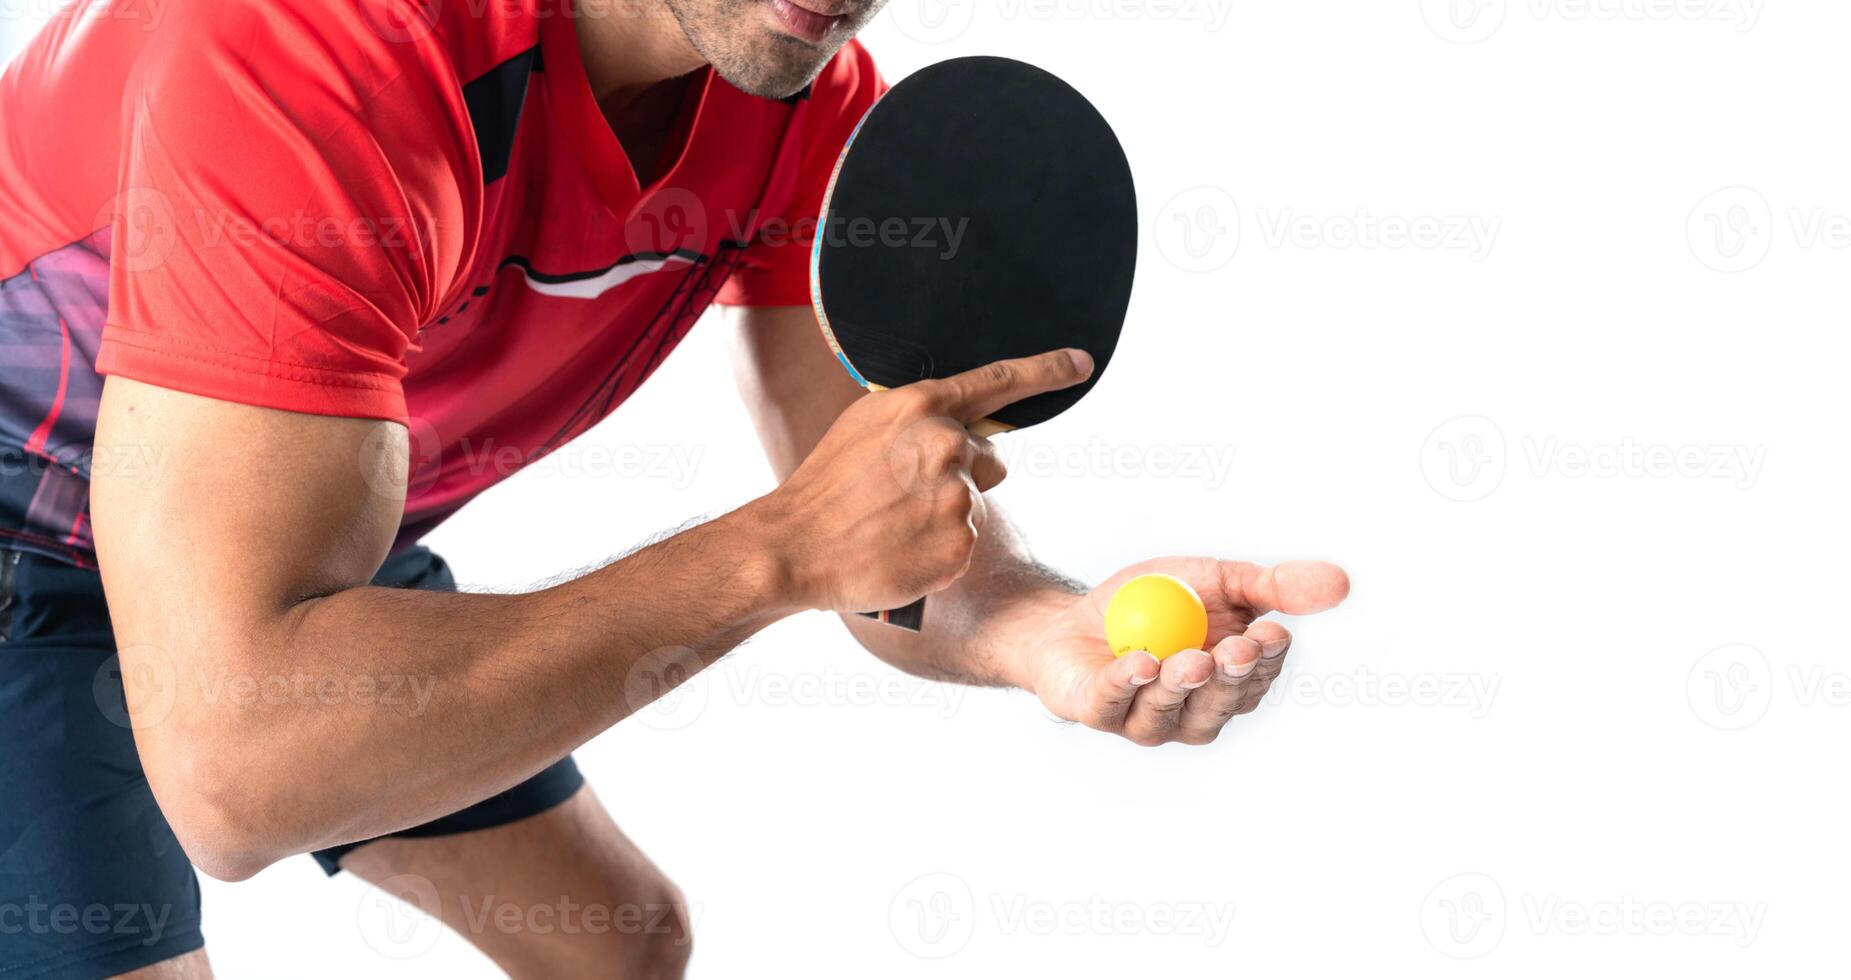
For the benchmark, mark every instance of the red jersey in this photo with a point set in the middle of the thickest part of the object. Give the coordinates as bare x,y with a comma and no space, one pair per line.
390,209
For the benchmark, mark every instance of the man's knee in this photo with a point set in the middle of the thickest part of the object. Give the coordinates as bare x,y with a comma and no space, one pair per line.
660,939
646,935
633,940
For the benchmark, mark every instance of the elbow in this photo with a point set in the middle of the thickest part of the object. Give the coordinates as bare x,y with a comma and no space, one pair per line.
221,809
220,855
226,864
219,844
222,831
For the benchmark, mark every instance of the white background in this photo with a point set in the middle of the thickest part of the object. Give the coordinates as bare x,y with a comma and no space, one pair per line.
1587,475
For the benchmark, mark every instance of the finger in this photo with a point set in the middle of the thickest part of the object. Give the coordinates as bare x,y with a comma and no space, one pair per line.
978,392
979,509
1293,587
1273,638
1274,641
986,466
1209,708
939,447
1156,712
1112,688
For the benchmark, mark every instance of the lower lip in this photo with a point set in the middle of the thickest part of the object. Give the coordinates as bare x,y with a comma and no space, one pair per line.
806,24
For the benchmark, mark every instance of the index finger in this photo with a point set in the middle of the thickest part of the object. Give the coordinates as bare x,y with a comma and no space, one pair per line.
980,391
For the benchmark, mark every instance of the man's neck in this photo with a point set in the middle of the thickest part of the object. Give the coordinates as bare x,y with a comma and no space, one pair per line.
630,45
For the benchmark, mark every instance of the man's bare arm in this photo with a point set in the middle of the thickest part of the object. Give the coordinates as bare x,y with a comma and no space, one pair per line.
236,567
236,570
1010,620
794,390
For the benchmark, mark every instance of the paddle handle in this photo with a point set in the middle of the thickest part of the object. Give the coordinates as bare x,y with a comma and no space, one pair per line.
908,618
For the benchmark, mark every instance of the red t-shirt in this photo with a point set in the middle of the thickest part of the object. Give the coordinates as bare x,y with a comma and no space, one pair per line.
380,208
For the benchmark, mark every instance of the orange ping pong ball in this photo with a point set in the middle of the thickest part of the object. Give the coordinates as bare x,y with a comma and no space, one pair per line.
1158,613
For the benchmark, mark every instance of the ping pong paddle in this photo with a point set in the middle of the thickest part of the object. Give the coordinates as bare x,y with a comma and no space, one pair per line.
982,210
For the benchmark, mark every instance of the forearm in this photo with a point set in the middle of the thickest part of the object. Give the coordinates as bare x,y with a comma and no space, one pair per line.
490,688
976,631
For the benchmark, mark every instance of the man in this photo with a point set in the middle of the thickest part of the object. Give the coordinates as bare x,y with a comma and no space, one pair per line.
274,274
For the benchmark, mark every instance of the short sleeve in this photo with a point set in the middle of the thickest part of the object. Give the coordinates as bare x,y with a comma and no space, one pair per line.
290,207
776,271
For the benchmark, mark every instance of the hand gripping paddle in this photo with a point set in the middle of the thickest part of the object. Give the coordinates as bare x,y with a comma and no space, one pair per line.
982,210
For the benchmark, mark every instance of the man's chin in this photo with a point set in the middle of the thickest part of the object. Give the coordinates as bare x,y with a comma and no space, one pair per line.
779,70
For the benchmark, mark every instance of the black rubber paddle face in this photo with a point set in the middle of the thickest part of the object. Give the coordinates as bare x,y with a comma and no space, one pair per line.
983,210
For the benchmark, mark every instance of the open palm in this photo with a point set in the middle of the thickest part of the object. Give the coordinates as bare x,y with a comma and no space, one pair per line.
1192,694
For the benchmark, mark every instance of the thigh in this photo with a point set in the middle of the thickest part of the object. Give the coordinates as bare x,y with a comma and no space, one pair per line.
561,893
92,881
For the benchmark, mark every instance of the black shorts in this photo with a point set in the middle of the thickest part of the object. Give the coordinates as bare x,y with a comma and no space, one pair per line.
92,881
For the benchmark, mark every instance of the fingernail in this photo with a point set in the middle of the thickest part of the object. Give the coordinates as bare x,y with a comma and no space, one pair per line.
1137,681
1271,651
1082,361
1238,670
1192,685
